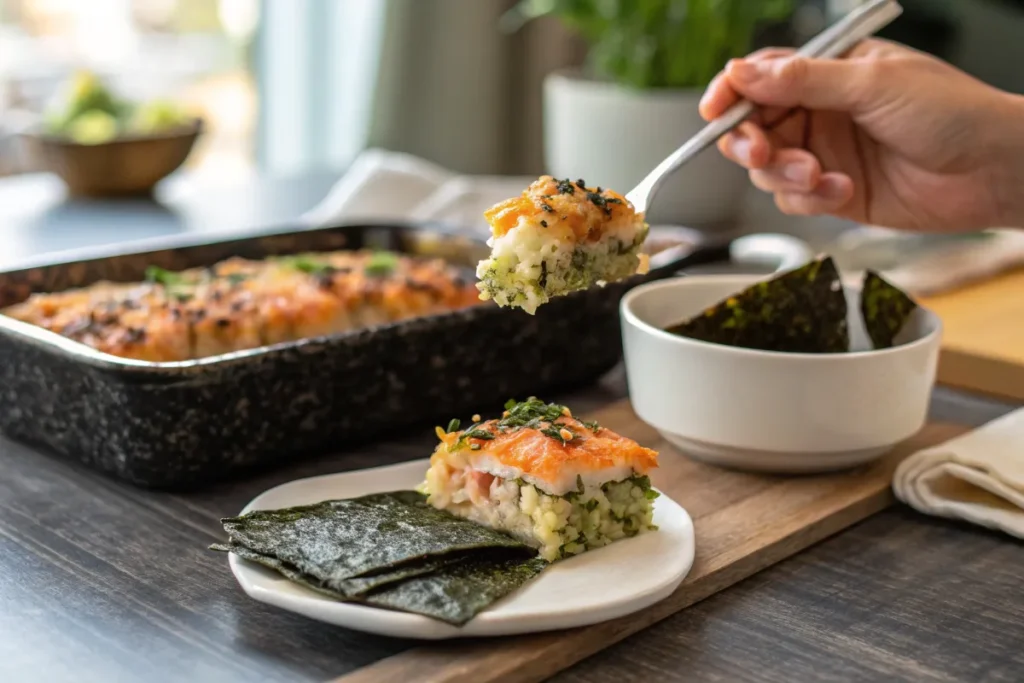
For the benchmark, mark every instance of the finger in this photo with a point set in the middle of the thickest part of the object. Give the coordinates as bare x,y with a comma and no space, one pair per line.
790,170
720,95
747,146
838,85
833,192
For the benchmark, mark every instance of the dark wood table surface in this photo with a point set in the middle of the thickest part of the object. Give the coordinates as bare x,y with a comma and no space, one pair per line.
100,581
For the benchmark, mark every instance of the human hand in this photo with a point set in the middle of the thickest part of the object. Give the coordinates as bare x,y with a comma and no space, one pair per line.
886,136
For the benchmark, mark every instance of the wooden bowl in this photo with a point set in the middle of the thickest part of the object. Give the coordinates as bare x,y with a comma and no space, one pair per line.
130,165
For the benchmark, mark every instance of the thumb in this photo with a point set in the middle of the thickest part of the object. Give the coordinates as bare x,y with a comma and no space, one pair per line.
831,84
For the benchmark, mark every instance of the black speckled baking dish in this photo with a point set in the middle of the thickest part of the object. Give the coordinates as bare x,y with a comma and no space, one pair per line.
174,425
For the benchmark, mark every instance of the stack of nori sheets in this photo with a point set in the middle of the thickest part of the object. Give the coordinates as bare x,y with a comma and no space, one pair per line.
389,550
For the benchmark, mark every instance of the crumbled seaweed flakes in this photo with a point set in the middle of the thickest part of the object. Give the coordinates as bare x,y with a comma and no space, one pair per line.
337,540
566,187
801,311
885,309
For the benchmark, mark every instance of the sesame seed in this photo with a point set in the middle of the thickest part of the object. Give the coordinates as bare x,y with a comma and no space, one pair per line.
439,432
566,411
565,434
505,414
476,418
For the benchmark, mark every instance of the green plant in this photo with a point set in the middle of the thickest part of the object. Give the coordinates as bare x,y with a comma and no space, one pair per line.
657,43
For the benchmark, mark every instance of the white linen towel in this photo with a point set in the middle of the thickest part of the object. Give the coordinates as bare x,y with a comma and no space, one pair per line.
977,477
927,265
382,185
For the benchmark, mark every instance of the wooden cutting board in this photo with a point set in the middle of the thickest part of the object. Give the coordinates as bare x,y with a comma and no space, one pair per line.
983,337
743,523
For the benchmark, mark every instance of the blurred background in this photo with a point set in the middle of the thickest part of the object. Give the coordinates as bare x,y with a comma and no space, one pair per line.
287,86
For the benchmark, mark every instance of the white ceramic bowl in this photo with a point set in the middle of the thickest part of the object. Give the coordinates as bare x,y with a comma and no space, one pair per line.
770,411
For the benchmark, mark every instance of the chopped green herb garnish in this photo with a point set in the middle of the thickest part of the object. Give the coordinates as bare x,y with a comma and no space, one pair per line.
307,265
473,432
474,446
453,426
555,432
533,414
592,425
236,278
530,413
162,277
381,263
651,494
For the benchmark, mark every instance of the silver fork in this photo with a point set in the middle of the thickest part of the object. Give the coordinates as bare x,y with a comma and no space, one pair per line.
833,42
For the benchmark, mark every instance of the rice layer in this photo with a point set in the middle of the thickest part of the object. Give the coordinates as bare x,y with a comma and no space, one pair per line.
558,526
528,265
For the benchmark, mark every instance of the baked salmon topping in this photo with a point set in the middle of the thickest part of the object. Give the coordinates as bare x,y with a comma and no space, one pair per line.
584,210
543,442
241,304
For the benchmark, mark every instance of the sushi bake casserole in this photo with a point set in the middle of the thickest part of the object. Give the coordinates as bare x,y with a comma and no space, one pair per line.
240,304
558,237
559,484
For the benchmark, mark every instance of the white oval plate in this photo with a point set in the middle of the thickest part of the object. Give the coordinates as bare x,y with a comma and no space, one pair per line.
610,582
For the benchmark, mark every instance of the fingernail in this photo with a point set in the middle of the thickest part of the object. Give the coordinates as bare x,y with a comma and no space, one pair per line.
797,172
741,150
831,188
704,100
748,72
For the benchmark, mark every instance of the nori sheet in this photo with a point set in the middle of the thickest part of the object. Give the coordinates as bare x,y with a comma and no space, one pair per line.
885,309
339,540
801,311
348,588
455,594
458,593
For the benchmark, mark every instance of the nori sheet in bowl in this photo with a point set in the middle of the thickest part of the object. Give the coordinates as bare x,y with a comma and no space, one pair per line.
804,310
885,308
801,311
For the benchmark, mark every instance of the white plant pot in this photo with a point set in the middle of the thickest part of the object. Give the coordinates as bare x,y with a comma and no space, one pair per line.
613,136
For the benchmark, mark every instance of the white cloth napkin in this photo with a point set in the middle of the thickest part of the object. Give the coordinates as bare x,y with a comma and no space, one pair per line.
382,185
927,265
977,477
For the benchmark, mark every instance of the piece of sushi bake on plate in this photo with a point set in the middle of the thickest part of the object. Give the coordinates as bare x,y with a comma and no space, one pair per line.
495,534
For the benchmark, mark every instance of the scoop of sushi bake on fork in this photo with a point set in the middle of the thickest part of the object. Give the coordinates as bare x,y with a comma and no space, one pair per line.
833,42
